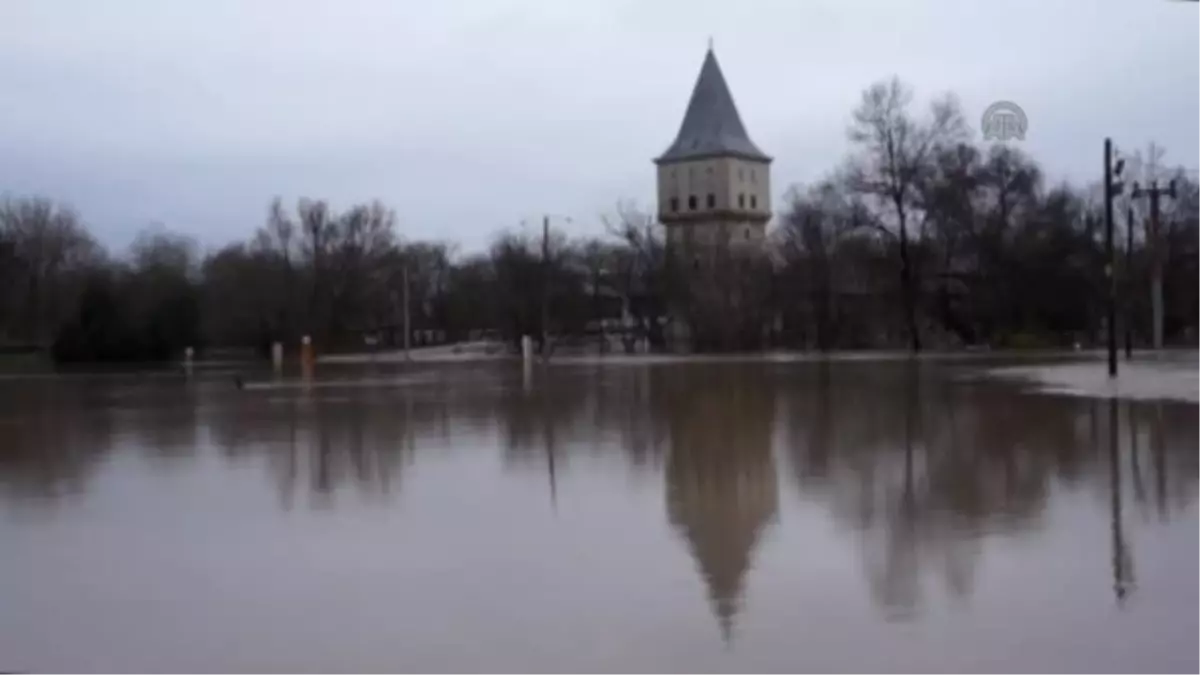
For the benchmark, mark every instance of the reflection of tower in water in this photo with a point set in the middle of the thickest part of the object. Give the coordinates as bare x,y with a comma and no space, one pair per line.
721,483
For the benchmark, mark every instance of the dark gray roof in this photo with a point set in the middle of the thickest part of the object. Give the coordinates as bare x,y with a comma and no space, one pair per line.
711,126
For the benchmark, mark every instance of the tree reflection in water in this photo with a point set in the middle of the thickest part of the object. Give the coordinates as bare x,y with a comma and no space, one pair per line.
924,466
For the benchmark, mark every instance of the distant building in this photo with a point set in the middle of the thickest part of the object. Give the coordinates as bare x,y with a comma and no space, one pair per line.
714,183
714,200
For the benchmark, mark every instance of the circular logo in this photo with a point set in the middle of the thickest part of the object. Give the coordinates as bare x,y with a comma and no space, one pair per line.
1004,121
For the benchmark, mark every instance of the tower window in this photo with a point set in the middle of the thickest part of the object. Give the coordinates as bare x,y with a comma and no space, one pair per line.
691,202
741,200
712,200
746,232
753,201
753,178
674,204
741,174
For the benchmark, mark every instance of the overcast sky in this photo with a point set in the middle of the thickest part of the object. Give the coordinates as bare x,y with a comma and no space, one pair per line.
470,116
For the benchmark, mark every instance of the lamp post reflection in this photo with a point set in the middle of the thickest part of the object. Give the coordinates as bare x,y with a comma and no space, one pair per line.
1122,563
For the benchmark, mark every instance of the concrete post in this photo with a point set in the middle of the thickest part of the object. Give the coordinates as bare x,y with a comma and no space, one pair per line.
526,348
277,356
526,363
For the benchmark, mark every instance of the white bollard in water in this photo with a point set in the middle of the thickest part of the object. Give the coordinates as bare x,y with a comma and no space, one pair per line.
526,347
306,358
189,355
277,355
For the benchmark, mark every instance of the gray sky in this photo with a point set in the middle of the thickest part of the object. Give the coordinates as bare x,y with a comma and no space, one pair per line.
470,116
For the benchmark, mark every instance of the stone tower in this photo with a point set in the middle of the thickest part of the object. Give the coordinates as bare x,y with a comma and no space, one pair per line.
714,184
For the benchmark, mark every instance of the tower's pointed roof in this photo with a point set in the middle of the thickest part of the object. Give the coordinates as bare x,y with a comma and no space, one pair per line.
711,126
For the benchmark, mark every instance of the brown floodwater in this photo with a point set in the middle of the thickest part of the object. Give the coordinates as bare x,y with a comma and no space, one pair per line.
879,516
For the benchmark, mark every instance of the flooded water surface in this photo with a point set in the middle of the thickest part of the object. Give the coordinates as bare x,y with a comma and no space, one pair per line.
661,517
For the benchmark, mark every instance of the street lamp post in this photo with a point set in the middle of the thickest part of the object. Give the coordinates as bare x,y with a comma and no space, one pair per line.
546,283
1111,189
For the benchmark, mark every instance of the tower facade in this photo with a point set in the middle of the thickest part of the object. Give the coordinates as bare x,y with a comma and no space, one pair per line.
714,183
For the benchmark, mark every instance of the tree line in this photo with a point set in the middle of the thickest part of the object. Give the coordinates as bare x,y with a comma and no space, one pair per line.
922,238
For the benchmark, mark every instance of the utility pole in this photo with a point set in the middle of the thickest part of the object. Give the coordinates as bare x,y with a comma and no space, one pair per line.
1156,299
545,287
1110,190
1128,279
1155,193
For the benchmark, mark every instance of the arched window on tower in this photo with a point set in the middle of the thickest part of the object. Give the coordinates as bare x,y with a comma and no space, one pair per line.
741,200
754,201
712,201
674,204
691,202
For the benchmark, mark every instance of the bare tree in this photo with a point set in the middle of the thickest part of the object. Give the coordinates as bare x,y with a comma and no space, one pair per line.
597,260
813,227
243,299
895,150
642,270
9,277
162,292
357,268
517,267
429,267
48,251
318,232
274,251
